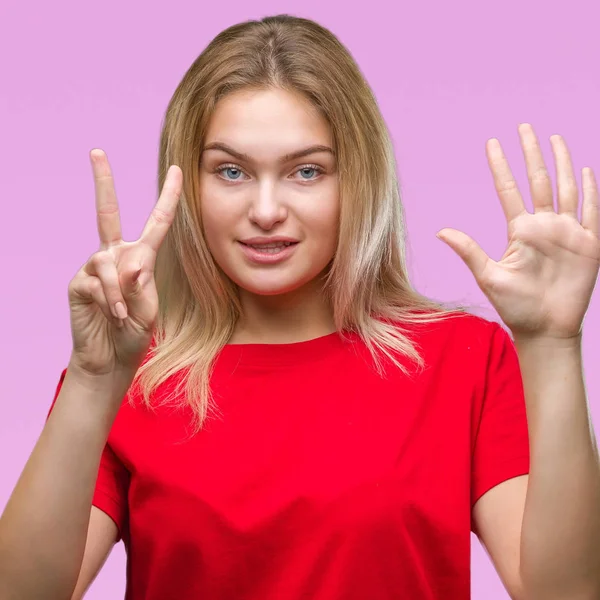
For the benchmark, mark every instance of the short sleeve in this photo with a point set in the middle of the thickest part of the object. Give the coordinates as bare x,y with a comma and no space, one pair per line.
112,483
501,443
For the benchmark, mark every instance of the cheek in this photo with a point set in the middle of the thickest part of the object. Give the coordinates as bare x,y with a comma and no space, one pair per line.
324,223
218,215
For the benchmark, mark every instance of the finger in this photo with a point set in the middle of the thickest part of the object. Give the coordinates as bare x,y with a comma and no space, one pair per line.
102,265
99,297
107,208
163,214
130,282
89,288
468,249
504,182
540,184
590,210
565,177
137,284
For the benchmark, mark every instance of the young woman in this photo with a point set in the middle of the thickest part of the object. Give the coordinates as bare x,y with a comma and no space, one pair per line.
262,407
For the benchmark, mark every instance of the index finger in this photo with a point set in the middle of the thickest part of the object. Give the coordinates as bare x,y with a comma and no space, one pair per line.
504,181
163,213
107,207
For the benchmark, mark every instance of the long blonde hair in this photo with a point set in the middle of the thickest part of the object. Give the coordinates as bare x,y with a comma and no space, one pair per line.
367,282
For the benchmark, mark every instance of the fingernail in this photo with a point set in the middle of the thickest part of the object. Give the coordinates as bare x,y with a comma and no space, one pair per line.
121,310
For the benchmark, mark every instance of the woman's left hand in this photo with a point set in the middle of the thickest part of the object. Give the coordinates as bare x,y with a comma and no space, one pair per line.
543,284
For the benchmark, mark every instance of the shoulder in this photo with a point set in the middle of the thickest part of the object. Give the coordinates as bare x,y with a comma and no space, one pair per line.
454,330
458,345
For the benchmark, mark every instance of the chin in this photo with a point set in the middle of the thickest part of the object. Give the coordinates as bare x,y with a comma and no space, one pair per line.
272,286
269,289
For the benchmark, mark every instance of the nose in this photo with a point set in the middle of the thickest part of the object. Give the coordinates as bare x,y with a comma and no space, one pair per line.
266,208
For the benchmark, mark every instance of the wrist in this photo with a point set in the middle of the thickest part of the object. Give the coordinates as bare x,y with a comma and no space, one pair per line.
99,382
546,342
99,393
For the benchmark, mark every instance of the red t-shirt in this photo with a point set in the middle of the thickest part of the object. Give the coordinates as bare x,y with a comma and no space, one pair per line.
320,480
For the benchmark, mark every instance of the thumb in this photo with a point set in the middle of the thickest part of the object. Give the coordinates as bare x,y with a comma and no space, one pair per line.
467,248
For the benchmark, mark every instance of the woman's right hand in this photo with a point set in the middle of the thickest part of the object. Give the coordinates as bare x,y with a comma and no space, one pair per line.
113,298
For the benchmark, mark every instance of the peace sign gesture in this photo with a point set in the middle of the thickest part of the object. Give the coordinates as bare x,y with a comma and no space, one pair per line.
113,298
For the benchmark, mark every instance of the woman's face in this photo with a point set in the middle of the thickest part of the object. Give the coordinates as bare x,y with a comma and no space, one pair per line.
268,178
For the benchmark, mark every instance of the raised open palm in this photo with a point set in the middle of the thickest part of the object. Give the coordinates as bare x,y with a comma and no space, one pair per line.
543,284
113,298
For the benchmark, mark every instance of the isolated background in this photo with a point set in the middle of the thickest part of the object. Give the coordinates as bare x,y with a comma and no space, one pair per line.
447,75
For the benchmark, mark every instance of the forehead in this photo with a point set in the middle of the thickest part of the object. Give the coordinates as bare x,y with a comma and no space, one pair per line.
256,120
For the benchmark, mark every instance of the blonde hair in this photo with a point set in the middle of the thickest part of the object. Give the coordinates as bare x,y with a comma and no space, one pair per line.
367,283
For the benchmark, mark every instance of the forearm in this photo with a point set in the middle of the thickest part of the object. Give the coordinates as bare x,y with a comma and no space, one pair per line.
560,541
43,528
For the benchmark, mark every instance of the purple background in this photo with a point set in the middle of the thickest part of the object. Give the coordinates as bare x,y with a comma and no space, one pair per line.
447,76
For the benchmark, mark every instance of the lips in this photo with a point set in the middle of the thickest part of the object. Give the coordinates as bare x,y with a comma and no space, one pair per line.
270,252
269,245
266,240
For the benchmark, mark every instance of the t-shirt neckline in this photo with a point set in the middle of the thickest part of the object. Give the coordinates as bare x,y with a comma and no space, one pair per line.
256,354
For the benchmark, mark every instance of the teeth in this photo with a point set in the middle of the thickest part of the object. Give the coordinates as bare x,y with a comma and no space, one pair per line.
272,248
269,250
273,245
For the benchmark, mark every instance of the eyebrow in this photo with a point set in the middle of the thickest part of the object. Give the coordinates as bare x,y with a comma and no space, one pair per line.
286,158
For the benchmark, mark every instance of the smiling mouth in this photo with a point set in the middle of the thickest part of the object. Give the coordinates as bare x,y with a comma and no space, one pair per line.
270,245
272,248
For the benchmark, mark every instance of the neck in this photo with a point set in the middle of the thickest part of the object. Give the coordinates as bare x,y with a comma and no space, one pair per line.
297,316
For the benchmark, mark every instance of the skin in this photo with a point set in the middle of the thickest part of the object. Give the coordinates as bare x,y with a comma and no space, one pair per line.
541,530
52,541
262,195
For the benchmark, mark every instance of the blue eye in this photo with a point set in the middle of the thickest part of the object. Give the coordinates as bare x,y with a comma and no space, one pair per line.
309,169
234,177
235,172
